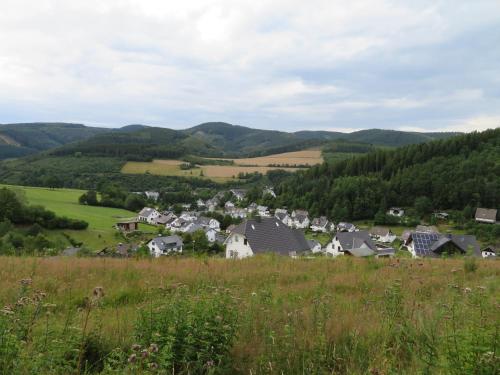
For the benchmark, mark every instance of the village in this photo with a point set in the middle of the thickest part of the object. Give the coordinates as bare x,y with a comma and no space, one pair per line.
256,229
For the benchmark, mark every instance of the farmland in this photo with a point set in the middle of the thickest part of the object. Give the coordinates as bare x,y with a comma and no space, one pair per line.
64,202
265,315
223,173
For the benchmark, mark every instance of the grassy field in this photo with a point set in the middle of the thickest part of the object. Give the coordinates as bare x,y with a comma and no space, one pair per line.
304,157
266,315
222,173
64,202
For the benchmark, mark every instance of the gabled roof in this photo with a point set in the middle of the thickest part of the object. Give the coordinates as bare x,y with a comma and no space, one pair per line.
271,235
355,240
146,211
321,221
168,242
489,214
300,218
281,215
426,229
313,243
431,244
345,226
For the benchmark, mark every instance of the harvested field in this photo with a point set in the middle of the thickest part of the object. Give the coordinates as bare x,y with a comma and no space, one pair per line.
304,157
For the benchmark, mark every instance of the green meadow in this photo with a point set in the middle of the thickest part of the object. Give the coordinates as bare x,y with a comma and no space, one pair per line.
64,202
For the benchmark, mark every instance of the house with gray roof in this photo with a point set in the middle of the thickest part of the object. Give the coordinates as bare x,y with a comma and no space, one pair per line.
382,234
165,245
300,219
486,215
239,194
264,235
434,245
358,244
314,246
282,215
320,224
346,227
148,215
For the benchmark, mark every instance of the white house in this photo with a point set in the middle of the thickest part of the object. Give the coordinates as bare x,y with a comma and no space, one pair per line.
282,215
488,252
211,234
269,191
314,246
212,204
396,211
320,224
346,227
201,204
148,215
486,215
239,194
153,195
189,215
263,211
229,205
263,235
382,234
300,219
358,244
165,245
237,213
208,222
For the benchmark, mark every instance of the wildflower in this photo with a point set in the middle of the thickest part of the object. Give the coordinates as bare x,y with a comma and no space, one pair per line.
254,294
153,348
6,311
153,366
144,354
98,292
481,287
467,290
132,358
210,363
136,347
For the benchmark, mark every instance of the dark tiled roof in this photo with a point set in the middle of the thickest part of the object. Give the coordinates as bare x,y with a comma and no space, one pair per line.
380,231
270,234
169,242
354,240
430,244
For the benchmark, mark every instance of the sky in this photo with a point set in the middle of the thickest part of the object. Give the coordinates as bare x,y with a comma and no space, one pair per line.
274,64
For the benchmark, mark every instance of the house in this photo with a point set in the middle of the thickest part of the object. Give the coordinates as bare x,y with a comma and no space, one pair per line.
268,191
229,205
264,235
153,195
263,211
70,251
486,215
358,244
177,224
489,252
191,227
314,246
252,207
406,236
239,194
212,204
441,215
230,228
423,244
189,215
300,219
186,206
208,222
282,215
148,215
384,252
396,211
320,224
346,227
165,245
129,225
200,204
382,234
237,213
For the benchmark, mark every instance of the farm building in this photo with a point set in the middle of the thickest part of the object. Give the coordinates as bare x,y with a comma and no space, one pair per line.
127,225
486,215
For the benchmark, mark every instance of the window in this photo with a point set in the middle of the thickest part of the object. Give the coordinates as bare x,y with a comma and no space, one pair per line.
245,241
236,238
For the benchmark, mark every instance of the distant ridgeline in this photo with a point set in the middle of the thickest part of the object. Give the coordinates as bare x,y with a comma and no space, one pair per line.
453,173
73,155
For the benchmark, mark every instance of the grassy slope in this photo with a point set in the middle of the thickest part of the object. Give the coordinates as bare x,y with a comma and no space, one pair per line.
64,202
298,316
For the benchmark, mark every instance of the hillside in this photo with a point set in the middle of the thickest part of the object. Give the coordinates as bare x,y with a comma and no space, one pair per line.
213,139
449,174
24,139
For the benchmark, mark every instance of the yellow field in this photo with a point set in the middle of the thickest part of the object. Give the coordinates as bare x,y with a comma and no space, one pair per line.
223,173
172,168
304,157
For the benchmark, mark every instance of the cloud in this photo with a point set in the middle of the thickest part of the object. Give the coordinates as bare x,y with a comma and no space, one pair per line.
285,64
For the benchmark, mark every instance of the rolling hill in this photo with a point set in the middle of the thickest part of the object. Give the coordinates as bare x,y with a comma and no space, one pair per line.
213,139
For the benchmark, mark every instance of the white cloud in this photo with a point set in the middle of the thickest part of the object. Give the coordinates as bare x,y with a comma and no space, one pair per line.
318,62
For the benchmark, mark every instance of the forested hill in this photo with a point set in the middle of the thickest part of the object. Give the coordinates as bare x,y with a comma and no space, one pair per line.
24,139
452,173
208,139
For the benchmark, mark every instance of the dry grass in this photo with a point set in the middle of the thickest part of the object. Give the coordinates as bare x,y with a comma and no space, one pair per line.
304,157
172,168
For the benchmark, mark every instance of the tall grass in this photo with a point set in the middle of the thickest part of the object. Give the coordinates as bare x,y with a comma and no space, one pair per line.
266,315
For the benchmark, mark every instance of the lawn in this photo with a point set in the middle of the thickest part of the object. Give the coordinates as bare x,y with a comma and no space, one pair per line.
265,315
64,202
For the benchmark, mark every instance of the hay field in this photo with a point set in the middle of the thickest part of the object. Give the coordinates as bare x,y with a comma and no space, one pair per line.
274,315
304,157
